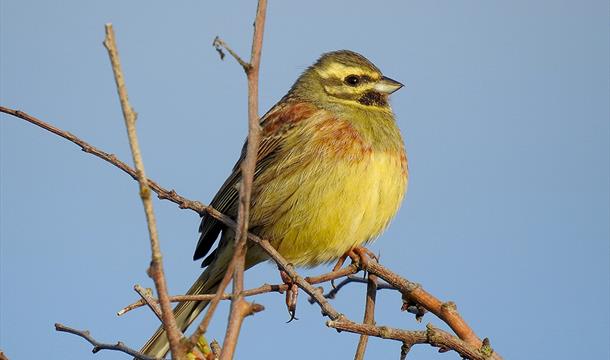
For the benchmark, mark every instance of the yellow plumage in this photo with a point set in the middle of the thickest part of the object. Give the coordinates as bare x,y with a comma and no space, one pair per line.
342,195
331,173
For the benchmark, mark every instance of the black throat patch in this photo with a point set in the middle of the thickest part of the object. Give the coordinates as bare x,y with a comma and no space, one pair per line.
373,98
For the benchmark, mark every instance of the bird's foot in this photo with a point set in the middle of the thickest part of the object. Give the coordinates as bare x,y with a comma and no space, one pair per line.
361,256
291,295
337,266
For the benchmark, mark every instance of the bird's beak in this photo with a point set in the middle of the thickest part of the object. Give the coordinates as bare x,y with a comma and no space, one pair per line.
387,86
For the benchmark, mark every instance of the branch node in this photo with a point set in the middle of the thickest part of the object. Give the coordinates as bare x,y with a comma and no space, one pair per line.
404,350
486,348
97,346
449,306
215,346
219,45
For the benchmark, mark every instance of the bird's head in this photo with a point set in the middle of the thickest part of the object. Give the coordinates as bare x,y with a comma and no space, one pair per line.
347,78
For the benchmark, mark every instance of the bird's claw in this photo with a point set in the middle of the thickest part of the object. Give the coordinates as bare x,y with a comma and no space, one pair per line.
337,267
292,295
361,256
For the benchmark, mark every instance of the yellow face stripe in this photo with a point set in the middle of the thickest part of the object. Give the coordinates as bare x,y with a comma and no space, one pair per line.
340,71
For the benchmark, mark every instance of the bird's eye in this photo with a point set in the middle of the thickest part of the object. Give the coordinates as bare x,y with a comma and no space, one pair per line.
352,80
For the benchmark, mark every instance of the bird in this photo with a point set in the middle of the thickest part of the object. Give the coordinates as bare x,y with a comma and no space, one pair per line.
331,172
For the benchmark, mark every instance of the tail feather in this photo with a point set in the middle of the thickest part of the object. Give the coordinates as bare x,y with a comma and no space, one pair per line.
207,283
187,312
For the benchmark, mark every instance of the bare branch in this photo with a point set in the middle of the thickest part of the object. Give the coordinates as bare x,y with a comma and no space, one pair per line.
265,288
219,44
97,346
355,279
147,299
433,336
162,193
348,270
156,266
239,307
185,203
369,315
410,290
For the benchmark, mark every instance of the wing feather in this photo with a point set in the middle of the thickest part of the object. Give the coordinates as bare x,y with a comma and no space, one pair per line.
274,124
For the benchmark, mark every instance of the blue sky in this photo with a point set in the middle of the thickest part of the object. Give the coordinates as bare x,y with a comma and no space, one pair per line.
506,119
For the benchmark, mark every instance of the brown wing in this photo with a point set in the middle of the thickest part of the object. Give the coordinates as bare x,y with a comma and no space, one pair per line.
278,120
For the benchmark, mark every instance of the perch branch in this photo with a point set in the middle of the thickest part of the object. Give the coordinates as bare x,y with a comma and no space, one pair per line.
433,336
97,346
265,288
156,266
446,311
402,284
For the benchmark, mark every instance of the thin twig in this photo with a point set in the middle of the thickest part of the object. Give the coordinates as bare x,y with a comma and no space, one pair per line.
203,326
156,266
265,288
369,315
219,44
354,279
97,346
147,299
348,270
239,307
433,336
414,292
162,193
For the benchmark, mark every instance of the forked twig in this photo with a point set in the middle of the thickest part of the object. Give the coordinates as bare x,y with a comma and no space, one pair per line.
97,346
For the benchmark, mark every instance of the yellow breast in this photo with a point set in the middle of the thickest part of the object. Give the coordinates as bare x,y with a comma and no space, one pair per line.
328,196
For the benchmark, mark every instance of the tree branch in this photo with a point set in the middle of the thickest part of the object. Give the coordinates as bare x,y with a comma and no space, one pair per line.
239,307
354,279
219,44
185,203
411,291
433,336
147,299
97,346
265,288
156,267
414,291
369,315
